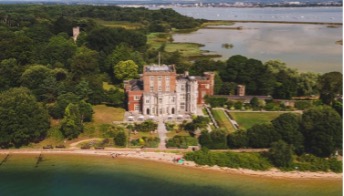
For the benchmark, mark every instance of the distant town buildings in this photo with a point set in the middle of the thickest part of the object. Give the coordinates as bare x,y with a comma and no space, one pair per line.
161,91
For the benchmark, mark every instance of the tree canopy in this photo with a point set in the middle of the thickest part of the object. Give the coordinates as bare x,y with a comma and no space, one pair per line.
125,70
22,118
323,131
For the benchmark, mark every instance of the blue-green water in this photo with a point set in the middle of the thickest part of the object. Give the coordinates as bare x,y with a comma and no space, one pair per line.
94,175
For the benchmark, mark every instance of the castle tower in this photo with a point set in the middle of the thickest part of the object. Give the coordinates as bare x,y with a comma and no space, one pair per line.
76,32
241,90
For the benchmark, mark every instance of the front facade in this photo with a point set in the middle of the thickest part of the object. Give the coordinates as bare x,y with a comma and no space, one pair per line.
160,91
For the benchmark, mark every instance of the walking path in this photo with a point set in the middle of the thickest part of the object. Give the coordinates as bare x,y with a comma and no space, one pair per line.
162,134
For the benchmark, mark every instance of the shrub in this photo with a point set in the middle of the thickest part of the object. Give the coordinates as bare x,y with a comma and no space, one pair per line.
150,142
303,104
170,126
310,162
216,101
146,126
181,142
121,138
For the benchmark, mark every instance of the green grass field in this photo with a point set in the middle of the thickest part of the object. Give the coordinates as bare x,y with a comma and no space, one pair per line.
223,121
247,119
104,114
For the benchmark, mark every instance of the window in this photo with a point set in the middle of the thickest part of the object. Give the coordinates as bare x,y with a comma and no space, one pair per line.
182,96
167,88
137,107
167,78
151,88
182,107
151,78
160,99
182,87
173,99
159,88
159,78
137,97
147,100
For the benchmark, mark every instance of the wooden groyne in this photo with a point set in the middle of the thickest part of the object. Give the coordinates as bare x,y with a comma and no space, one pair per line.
39,159
5,159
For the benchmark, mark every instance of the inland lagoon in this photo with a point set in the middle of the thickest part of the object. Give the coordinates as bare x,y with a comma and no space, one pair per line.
303,46
103,175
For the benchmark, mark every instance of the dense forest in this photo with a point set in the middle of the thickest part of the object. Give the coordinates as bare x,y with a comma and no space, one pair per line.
45,74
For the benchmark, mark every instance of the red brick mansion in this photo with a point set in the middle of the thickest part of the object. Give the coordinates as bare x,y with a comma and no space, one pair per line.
160,90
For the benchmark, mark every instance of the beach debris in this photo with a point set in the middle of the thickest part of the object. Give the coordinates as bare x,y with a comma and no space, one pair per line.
48,147
60,146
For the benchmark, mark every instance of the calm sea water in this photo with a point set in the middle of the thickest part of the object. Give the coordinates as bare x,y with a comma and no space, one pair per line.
302,14
91,175
302,46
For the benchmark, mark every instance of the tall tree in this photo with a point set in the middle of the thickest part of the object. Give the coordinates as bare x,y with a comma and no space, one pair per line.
85,61
281,154
323,131
288,126
238,139
22,118
125,70
10,73
330,85
262,135
71,125
59,50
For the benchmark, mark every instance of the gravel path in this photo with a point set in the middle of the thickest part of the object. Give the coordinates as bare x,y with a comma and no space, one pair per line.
162,134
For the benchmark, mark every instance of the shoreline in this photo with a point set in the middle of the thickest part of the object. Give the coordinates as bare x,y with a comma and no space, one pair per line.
168,157
278,22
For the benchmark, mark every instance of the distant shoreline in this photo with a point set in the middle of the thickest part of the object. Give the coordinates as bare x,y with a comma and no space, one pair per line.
278,22
167,157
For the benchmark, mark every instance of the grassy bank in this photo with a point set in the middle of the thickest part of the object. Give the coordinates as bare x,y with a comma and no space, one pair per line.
222,120
105,114
247,119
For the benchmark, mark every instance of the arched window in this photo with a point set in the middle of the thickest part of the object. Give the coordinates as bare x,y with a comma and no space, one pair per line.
148,111
172,110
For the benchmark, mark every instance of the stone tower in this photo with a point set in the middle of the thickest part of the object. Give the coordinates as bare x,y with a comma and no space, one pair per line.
76,32
241,90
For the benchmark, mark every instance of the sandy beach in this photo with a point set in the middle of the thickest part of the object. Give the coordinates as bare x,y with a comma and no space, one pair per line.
168,157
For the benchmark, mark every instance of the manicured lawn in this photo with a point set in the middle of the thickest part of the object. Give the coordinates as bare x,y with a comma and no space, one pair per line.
223,121
104,114
247,119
